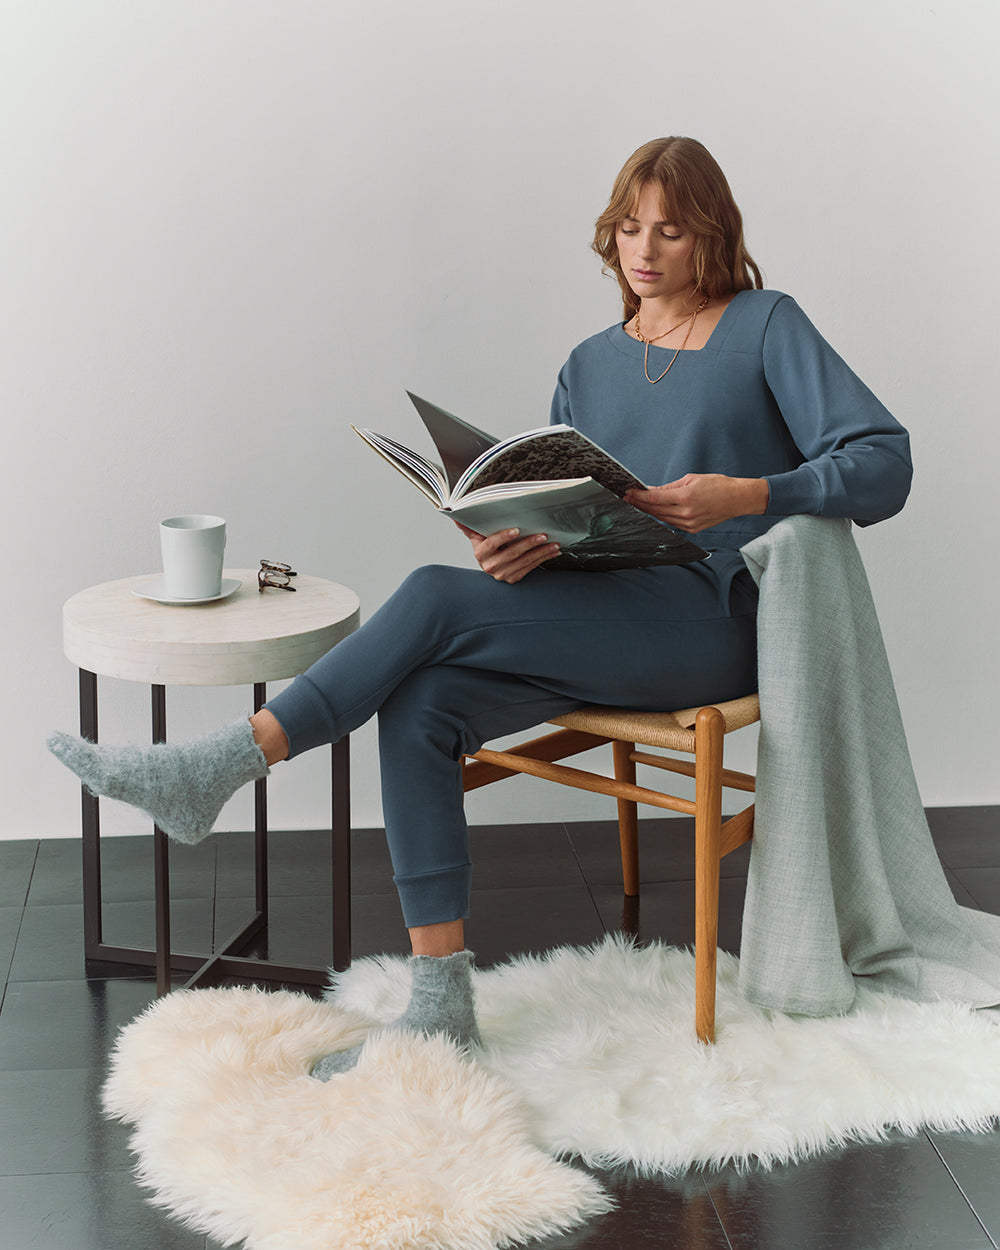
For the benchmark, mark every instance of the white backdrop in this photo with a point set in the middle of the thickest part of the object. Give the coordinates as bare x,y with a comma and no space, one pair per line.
230,227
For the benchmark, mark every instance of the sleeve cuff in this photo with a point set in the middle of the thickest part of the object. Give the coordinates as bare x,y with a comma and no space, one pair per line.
793,493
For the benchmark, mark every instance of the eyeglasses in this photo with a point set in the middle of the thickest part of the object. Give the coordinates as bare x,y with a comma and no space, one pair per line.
276,575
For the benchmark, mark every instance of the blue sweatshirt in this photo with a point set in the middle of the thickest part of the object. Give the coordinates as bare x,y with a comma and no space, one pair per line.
765,397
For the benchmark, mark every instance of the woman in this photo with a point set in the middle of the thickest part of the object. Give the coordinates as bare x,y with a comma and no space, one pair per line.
719,389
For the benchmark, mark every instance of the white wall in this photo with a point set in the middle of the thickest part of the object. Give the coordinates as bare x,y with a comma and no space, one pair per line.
230,227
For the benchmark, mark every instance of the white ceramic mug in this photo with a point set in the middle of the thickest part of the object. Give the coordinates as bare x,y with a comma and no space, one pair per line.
193,547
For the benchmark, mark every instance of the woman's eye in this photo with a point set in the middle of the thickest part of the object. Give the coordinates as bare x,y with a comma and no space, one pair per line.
632,230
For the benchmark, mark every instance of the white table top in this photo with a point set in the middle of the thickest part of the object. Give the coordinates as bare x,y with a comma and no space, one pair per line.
249,637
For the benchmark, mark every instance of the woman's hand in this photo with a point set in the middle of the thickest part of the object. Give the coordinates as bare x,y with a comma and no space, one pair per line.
698,501
506,556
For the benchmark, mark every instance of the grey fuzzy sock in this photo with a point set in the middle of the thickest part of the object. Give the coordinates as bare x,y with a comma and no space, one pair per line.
181,786
441,1001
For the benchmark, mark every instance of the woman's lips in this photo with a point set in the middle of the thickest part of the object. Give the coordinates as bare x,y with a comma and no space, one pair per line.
646,275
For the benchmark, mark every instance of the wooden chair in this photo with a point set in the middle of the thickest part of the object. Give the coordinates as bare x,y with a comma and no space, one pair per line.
695,731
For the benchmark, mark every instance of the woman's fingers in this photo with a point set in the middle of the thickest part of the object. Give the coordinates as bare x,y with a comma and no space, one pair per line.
505,555
514,558
698,501
508,557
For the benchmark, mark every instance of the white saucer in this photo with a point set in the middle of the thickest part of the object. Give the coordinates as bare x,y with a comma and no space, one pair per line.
156,590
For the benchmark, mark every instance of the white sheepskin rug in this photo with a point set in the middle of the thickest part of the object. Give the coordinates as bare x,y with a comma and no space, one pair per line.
600,1042
588,1052
416,1149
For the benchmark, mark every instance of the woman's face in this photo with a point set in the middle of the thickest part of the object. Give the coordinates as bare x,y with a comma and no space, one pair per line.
656,256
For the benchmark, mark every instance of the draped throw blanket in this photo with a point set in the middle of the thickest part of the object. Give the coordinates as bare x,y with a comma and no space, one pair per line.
844,884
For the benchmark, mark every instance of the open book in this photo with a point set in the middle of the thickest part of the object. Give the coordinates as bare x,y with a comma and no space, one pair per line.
552,481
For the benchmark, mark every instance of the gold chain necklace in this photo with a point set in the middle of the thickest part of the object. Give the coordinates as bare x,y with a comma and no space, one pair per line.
639,335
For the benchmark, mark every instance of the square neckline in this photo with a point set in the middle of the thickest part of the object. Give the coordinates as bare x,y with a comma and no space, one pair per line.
635,348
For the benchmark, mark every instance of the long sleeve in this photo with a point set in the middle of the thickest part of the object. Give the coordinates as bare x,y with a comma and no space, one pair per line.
766,397
856,456
560,413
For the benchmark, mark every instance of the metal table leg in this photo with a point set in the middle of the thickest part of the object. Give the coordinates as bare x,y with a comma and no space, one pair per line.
161,859
91,827
340,853
227,960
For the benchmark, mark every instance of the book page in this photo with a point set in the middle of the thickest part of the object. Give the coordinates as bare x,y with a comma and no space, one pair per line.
425,475
457,442
555,452
595,528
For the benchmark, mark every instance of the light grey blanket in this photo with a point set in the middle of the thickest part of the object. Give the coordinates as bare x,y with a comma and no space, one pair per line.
844,879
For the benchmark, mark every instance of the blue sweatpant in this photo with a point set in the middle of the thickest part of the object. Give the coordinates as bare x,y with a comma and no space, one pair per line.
455,658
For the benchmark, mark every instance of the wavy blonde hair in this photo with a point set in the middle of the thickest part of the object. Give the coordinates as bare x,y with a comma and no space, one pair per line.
696,197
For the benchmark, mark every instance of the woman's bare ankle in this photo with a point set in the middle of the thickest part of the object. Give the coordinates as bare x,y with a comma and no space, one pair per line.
269,736
440,940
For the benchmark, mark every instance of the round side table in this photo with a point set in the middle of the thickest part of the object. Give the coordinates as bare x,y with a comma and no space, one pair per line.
247,638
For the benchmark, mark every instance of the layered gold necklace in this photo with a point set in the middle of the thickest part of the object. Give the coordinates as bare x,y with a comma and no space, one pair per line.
691,319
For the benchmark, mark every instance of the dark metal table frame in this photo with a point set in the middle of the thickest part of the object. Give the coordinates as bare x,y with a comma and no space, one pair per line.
228,961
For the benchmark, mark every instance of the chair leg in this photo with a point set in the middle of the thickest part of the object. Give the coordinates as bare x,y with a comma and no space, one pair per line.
709,733
628,817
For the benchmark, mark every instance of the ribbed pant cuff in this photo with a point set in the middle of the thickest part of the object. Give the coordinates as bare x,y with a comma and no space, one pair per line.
305,716
435,897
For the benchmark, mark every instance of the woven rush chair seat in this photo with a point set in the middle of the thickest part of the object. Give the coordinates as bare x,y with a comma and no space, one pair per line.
672,731
698,731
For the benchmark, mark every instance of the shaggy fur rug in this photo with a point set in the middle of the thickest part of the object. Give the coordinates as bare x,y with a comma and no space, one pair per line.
587,1052
416,1149
600,1043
